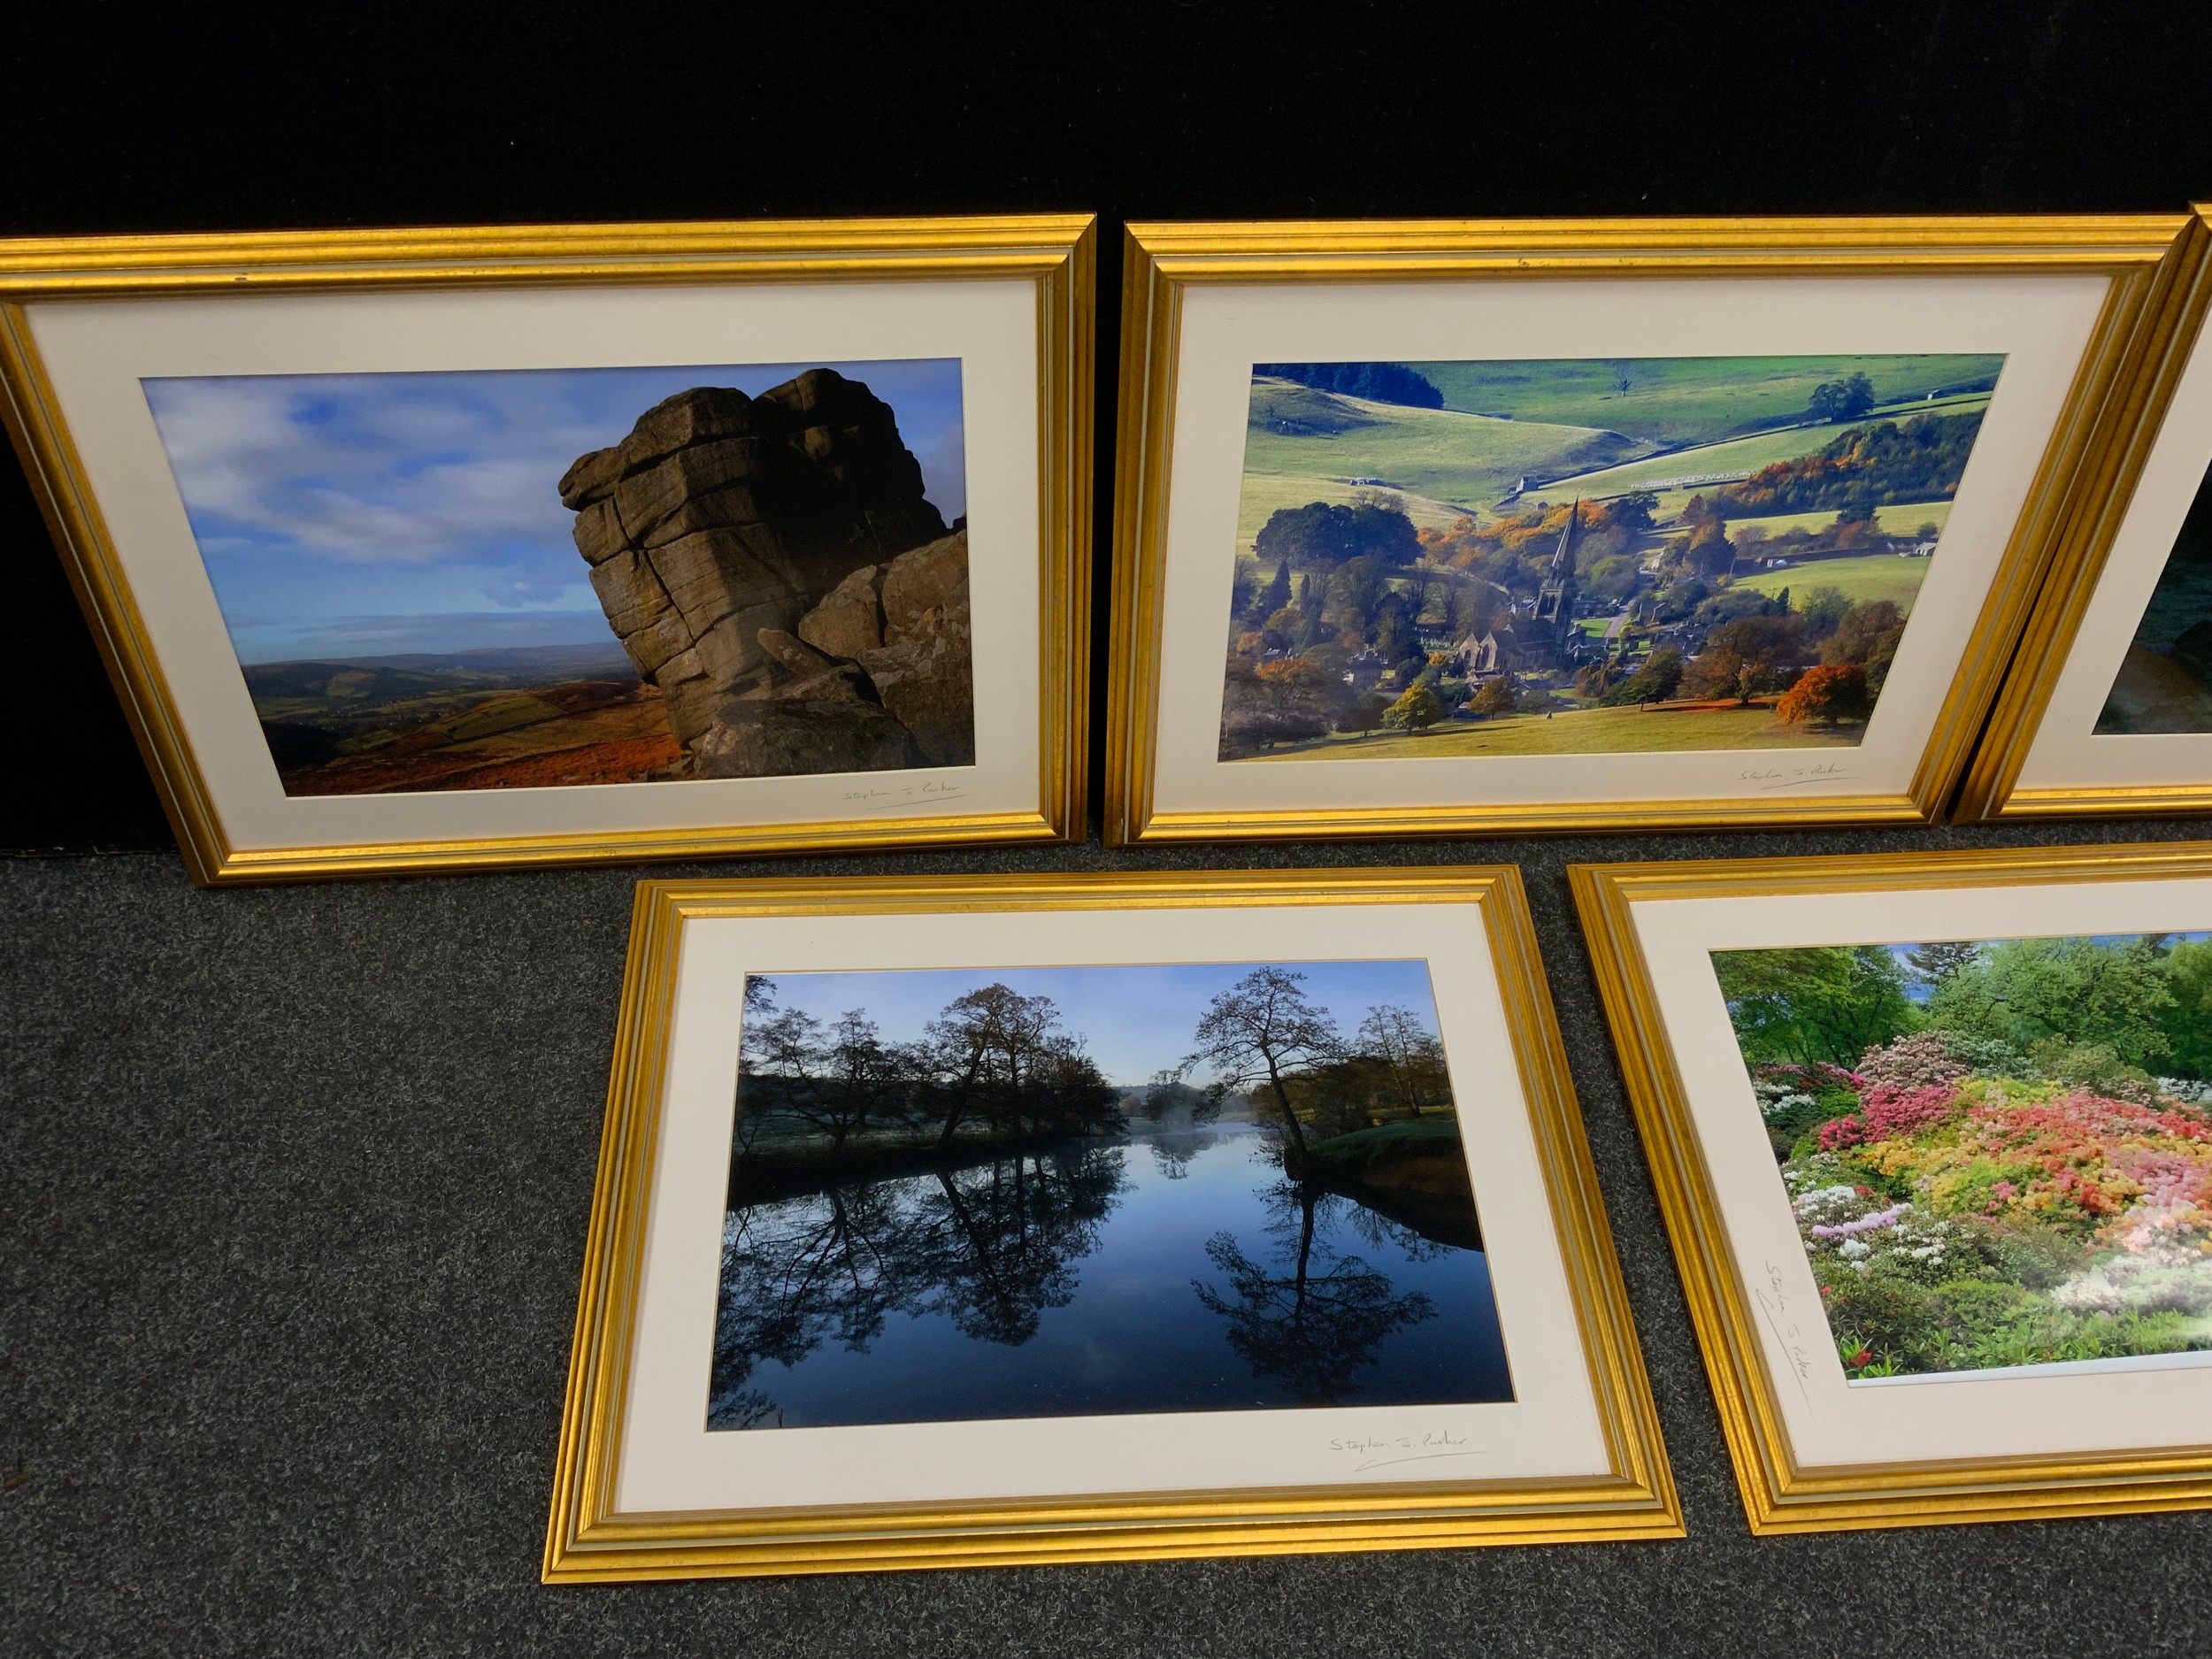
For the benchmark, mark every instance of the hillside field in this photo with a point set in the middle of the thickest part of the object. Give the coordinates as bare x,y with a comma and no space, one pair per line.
1586,732
1680,473
1313,439
1684,400
1877,576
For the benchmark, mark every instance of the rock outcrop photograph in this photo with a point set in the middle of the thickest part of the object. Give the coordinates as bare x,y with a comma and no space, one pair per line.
772,566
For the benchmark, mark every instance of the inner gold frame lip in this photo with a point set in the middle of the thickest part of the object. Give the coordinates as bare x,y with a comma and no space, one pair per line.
1055,252
586,1541
1780,1494
1161,261
2170,328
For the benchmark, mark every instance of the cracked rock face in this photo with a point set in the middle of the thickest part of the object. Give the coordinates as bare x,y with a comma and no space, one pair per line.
721,518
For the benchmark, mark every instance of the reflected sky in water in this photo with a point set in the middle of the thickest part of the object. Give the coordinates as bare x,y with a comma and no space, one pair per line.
1161,1275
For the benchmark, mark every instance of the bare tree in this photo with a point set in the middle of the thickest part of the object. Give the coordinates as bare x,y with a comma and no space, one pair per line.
1259,1028
833,1080
983,1052
1410,1053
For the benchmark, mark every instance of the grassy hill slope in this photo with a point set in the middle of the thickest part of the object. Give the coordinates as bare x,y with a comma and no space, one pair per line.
1686,400
1303,446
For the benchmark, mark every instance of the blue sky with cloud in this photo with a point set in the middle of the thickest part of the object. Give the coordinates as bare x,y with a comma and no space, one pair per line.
358,514
1137,1019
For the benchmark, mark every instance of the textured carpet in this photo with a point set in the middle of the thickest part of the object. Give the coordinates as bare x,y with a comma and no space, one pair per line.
296,1184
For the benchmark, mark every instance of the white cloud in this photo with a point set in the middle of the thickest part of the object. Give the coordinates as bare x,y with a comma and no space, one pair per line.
403,472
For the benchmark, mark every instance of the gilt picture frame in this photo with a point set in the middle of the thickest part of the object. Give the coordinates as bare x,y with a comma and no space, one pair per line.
467,549
1538,526
2104,713
1147,1294
1934,1223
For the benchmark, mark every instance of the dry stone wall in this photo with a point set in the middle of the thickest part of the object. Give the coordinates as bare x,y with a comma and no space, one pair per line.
771,564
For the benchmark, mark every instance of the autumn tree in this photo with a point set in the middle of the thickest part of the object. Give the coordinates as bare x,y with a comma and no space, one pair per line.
1827,694
1868,634
1417,711
1713,673
1494,696
1257,1030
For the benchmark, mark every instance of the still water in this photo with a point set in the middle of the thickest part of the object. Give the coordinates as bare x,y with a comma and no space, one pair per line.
1176,1271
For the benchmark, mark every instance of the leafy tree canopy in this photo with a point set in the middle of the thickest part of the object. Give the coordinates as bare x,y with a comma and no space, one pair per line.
2026,991
1324,534
1655,682
1841,400
1823,1003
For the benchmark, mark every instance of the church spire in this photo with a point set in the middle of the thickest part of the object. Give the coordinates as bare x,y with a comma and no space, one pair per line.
1563,561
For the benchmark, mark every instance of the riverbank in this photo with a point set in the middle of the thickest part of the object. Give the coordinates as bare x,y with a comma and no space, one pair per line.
794,1169
1413,1172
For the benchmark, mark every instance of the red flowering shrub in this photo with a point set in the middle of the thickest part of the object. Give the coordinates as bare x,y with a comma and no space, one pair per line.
1886,1113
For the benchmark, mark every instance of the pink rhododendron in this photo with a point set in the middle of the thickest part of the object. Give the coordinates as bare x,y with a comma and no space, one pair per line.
1886,1113
1910,1062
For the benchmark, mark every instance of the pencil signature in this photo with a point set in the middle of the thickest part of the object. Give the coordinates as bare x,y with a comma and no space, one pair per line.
1792,777
1774,1303
879,797
1381,1451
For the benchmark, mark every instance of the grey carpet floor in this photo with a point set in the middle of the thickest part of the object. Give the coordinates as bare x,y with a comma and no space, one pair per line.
293,1191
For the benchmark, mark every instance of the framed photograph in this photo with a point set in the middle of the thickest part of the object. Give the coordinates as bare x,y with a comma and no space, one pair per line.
1932,1134
2107,709
1451,528
1010,1220
438,549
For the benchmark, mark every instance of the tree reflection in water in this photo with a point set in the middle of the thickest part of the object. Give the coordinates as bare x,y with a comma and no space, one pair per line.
990,1246
1311,1317
1172,1149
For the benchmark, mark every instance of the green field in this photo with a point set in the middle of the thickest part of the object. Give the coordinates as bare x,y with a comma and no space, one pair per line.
1684,400
1901,520
1584,732
1877,576
1451,458
1706,464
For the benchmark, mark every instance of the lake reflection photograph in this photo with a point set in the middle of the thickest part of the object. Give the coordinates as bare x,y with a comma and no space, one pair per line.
1033,1192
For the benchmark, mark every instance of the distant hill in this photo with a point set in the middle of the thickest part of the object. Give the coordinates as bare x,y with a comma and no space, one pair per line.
411,673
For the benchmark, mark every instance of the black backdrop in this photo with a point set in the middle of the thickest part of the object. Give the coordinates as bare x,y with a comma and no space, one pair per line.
293,1183
113,120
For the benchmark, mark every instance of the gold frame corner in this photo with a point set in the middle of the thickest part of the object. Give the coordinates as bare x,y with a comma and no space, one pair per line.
1055,252
1163,260
587,1543
1779,1495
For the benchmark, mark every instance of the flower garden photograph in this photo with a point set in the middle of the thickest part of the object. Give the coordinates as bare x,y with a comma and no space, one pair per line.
1585,556
1998,1152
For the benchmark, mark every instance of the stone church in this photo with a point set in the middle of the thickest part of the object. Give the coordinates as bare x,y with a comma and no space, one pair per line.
1540,639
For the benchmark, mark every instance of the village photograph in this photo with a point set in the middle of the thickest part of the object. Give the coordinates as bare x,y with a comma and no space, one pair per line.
1077,1190
528,578
1585,556
1997,1152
